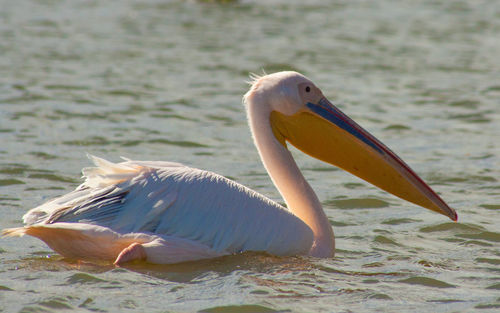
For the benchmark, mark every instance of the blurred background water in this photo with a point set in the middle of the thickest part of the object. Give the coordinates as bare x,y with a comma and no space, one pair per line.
163,80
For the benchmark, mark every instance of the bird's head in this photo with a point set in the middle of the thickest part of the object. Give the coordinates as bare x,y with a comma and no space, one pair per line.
300,114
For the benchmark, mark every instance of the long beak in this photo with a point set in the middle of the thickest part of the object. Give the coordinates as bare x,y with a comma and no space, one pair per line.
325,133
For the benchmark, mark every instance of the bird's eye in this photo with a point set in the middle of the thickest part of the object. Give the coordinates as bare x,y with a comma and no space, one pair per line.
308,89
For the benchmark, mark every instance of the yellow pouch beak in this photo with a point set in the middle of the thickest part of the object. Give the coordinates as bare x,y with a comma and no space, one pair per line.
325,133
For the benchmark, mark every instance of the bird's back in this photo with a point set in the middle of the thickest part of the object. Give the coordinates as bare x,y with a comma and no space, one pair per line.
175,200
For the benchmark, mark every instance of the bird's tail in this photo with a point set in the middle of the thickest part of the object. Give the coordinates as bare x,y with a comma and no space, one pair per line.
80,241
14,232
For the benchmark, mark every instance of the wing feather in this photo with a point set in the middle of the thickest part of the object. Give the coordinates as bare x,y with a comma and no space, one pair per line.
174,200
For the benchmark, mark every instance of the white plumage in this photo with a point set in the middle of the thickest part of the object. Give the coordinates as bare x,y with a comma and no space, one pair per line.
166,212
145,201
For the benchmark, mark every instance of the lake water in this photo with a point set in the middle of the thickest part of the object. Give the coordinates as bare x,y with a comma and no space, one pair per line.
163,80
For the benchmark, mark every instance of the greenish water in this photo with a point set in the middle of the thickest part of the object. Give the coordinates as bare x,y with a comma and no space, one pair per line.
163,80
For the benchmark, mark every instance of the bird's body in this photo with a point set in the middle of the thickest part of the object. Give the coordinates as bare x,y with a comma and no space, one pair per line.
167,213
169,201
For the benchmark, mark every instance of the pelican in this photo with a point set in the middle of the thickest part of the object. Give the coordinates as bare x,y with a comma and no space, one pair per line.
163,212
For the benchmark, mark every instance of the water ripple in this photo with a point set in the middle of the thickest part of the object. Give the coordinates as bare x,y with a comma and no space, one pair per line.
426,281
360,203
83,278
164,80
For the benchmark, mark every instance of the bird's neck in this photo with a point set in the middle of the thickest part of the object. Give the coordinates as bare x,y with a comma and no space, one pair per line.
286,176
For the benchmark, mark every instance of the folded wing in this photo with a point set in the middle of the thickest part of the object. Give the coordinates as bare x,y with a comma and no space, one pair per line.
171,199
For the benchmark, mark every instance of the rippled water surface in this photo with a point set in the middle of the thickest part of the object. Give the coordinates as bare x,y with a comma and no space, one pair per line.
163,80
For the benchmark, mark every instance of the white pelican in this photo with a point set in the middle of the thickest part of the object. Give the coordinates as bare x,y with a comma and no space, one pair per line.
166,212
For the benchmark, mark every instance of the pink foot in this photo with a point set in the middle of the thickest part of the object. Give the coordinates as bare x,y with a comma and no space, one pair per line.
131,253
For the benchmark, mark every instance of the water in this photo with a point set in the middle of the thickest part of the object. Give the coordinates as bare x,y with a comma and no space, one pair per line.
163,80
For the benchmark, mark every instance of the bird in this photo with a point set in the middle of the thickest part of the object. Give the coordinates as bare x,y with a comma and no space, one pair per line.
165,212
